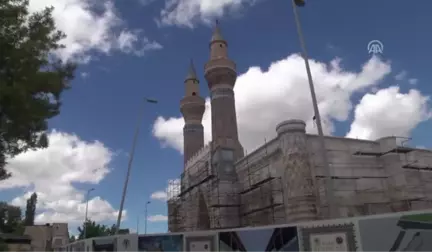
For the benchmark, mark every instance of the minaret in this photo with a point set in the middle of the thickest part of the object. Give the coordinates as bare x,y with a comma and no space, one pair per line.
192,106
221,75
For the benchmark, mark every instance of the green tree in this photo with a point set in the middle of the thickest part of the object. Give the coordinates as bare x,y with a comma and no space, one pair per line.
95,230
30,210
10,219
31,79
72,238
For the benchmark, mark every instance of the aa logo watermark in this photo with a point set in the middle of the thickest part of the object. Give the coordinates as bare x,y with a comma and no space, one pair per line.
375,47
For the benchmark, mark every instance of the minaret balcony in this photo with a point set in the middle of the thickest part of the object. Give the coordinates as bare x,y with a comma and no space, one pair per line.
219,63
192,100
192,107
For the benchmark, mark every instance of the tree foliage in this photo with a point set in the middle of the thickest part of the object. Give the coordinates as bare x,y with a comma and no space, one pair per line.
10,219
95,230
30,210
31,78
72,238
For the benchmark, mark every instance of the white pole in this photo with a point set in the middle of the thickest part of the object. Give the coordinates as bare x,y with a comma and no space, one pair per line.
329,181
86,212
131,156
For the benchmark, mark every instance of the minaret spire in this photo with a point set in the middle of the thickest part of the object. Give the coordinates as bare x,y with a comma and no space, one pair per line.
191,73
217,35
192,106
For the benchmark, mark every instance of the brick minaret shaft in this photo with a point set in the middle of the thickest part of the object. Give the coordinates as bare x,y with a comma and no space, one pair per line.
221,75
192,106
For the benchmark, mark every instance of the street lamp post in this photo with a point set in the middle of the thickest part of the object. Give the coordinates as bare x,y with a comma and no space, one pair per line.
86,212
145,215
329,181
131,156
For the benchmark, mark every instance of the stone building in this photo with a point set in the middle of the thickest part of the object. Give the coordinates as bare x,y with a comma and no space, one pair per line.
48,237
283,180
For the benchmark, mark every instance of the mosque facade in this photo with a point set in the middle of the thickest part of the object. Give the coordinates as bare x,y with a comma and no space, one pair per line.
284,180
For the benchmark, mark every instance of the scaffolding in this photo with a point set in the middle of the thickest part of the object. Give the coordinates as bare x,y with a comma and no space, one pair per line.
261,193
412,194
417,170
204,200
363,176
174,206
364,179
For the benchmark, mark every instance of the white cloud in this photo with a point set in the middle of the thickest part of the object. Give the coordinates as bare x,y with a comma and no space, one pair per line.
159,195
172,190
157,218
189,12
84,75
52,172
412,81
129,42
90,26
401,76
389,113
264,98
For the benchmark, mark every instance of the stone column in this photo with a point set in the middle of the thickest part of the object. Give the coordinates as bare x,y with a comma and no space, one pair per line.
299,191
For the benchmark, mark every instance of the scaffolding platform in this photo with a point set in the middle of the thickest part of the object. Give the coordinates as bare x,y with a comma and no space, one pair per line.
262,208
257,185
261,193
399,149
190,188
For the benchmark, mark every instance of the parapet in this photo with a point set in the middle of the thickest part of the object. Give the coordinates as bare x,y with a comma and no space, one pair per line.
293,125
198,155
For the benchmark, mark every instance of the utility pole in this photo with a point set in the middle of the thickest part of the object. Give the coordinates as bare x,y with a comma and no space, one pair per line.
146,213
329,182
131,156
86,212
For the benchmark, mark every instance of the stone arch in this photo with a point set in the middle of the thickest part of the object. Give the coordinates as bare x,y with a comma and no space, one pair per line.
203,221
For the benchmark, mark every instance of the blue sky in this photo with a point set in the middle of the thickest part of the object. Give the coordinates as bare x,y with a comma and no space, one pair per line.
103,104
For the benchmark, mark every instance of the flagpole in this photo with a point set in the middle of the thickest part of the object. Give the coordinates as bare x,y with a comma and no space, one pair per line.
329,182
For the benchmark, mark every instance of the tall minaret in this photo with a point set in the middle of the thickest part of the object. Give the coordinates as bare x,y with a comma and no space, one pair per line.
221,75
192,106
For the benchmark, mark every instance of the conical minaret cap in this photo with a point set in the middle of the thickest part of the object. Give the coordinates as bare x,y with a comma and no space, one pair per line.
217,35
191,72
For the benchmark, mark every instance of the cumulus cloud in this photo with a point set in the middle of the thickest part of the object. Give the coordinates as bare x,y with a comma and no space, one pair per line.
413,81
52,172
157,218
389,112
172,190
265,97
92,26
129,42
401,76
189,12
159,195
